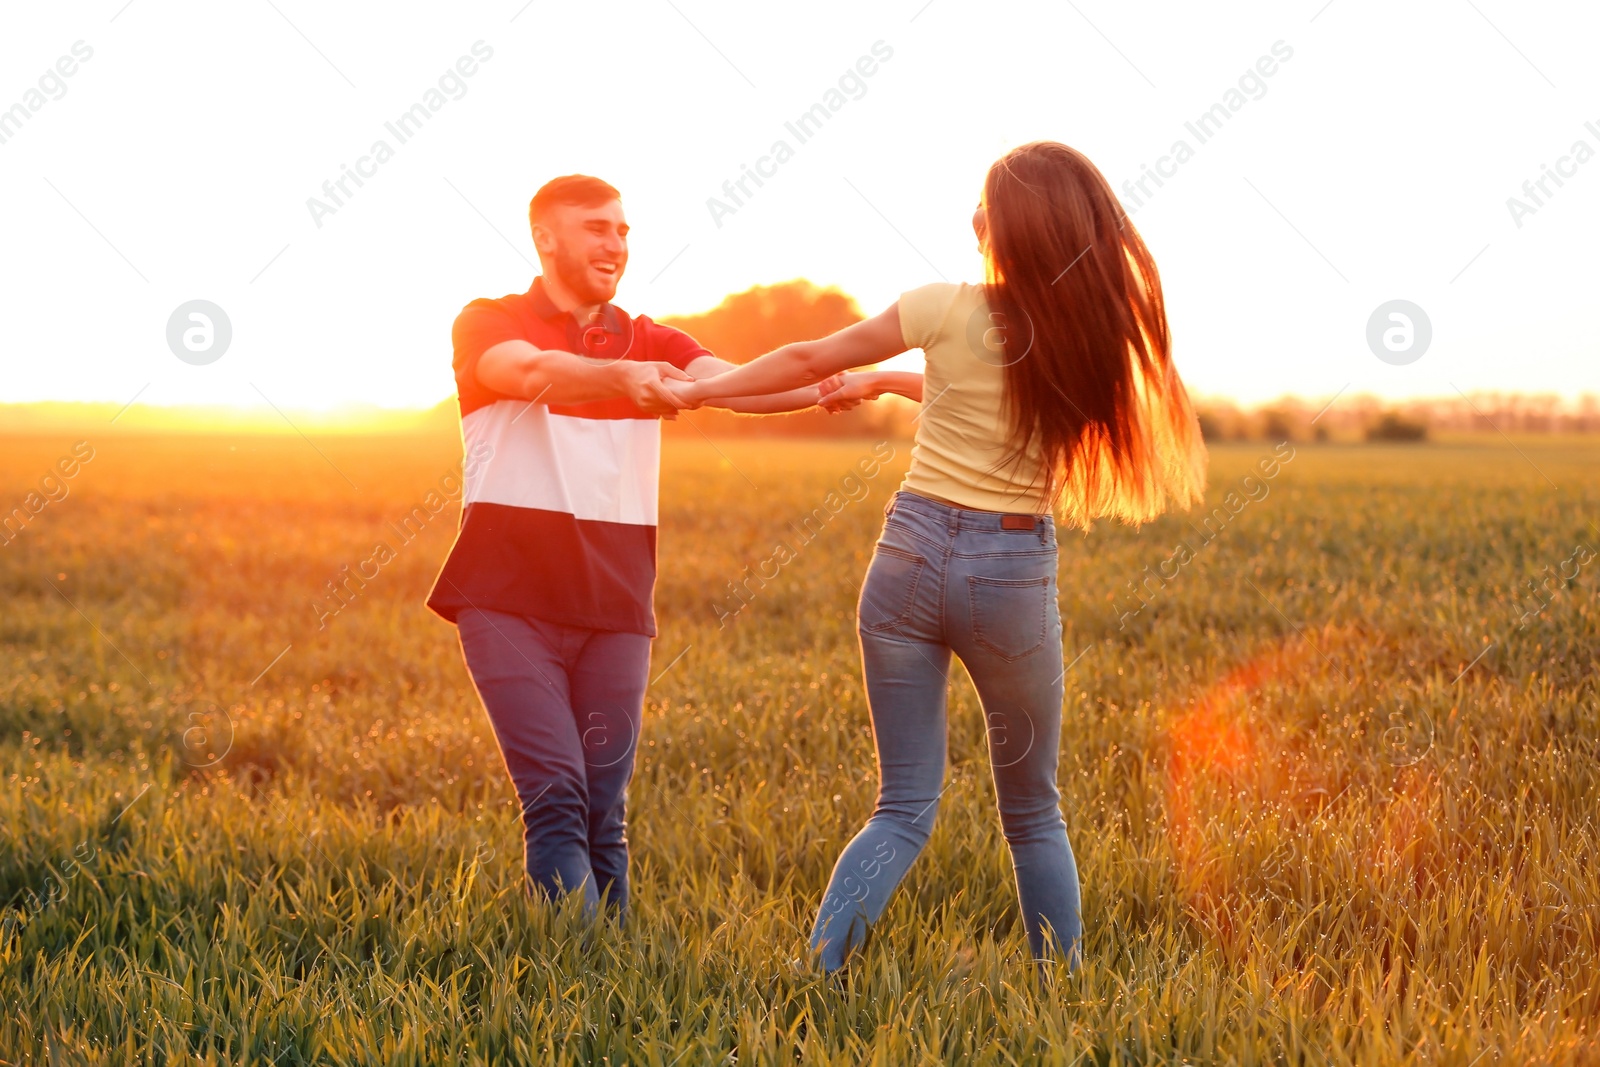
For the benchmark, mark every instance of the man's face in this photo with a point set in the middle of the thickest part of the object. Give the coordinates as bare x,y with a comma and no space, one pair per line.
587,247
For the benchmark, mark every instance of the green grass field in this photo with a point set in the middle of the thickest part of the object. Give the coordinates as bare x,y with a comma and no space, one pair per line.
1305,835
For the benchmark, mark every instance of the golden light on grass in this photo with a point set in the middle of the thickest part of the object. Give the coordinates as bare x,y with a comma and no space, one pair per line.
1264,881
1210,749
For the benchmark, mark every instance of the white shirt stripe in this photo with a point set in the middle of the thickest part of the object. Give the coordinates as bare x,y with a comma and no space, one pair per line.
607,470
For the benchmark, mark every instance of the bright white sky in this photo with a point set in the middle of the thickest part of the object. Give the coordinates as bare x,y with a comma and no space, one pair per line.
1377,165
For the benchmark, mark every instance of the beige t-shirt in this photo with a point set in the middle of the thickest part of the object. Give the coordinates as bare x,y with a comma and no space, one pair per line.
963,452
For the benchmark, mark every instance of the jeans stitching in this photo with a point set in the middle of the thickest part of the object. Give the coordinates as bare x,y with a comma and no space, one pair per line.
908,530
974,582
909,607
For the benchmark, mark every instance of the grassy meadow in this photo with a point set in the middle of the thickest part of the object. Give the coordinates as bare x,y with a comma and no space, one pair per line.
1316,822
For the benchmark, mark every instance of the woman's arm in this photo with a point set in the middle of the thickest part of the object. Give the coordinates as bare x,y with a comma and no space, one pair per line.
769,404
806,362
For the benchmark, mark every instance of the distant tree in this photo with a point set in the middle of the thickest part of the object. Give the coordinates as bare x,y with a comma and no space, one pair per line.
1278,424
1221,420
762,318
1587,419
1393,426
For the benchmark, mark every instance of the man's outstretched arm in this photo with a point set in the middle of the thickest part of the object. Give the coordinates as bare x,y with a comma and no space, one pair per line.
547,376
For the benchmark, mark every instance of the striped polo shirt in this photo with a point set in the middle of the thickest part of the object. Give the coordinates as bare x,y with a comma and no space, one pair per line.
559,505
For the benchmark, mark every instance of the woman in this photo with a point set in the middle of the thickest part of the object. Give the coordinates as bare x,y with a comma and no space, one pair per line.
1049,389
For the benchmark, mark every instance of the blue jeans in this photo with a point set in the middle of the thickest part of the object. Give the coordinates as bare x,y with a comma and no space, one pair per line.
982,585
566,704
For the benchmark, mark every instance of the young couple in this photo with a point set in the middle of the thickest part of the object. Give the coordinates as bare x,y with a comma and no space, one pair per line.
1049,390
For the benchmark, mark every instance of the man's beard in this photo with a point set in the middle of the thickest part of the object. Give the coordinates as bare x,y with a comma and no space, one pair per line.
574,274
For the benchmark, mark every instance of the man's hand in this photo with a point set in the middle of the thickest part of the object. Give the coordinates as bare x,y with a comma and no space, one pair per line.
651,388
684,392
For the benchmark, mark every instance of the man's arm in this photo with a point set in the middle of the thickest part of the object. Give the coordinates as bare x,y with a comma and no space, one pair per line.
517,368
768,404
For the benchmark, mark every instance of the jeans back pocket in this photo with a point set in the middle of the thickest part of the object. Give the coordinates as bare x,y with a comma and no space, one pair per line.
1009,615
889,594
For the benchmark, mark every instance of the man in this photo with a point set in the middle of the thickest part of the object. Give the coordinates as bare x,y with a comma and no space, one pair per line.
551,577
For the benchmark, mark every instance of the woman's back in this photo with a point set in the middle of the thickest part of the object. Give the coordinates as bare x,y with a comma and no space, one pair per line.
1049,389
965,450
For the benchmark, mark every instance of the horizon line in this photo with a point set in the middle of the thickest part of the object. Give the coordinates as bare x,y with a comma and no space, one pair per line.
381,410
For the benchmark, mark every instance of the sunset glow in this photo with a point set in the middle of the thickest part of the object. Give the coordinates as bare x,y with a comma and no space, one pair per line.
342,202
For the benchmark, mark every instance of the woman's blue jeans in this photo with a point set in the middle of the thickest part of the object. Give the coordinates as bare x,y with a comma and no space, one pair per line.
982,585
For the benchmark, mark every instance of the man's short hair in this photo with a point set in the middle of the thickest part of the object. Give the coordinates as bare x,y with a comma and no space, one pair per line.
571,190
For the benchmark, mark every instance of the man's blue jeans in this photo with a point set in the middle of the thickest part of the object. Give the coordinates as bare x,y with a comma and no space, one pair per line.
982,585
566,705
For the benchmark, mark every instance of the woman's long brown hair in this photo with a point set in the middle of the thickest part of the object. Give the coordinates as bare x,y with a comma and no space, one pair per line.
1089,382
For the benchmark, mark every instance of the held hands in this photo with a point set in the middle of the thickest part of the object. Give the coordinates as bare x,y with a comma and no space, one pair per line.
666,385
845,391
657,388
687,392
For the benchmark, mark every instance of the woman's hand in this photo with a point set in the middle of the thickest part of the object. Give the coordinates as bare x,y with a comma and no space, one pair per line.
830,384
845,391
